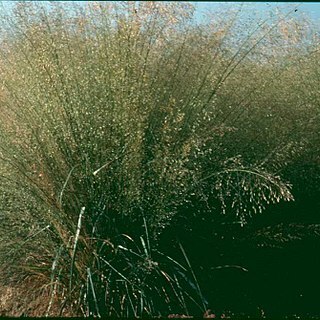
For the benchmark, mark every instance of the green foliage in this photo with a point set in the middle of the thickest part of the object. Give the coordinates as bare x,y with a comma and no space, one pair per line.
120,116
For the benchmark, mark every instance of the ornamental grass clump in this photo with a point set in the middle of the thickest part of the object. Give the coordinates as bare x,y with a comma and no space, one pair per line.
117,117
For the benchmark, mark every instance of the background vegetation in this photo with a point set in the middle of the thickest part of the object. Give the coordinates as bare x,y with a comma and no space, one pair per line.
141,152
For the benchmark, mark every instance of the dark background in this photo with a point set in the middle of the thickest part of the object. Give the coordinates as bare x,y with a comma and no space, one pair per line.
280,249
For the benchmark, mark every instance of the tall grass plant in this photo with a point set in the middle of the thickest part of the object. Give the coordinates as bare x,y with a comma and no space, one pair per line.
118,117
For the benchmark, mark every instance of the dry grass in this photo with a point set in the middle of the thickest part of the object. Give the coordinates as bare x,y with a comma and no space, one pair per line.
28,298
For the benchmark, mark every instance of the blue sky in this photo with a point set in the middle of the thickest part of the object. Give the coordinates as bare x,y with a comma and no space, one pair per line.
311,9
